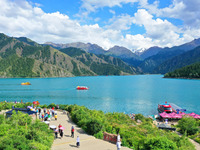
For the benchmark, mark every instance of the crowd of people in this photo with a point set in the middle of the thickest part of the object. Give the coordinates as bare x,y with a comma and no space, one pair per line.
132,116
48,114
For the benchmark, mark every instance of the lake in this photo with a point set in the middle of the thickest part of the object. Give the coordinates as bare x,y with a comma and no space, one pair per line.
129,94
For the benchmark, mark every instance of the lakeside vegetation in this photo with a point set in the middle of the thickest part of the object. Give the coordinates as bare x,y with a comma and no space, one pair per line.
21,132
191,72
138,136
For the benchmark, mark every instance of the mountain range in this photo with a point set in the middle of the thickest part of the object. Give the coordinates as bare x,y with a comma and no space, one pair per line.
22,57
152,60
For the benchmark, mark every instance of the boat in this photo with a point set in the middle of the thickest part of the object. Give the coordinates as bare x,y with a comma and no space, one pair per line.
165,108
82,88
25,83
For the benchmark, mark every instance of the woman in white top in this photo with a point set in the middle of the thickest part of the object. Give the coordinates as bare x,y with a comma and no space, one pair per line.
118,145
118,137
77,141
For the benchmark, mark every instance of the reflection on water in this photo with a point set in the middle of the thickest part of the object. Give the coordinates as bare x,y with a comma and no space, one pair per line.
129,94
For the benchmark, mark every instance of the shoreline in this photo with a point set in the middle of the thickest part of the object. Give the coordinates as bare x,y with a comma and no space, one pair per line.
85,120
181,78
74,76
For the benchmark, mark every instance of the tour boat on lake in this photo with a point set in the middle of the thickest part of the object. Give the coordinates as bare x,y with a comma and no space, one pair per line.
82,88
25,83
165,108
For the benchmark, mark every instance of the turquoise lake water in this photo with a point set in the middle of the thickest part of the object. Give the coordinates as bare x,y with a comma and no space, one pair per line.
129,94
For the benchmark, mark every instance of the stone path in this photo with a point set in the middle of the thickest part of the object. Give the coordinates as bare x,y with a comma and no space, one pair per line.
87,142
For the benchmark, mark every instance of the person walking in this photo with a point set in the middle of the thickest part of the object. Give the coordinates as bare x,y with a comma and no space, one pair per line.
39,111
118,145
118,137
42,117
72,132
61,133
77,141
56,133
59,126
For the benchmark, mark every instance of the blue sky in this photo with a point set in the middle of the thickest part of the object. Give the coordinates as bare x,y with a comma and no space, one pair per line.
135,24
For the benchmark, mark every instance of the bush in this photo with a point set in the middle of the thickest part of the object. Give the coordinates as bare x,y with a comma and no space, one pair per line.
19,132
188,125
94,126
44,106
139,117
99,135
52,105
161,143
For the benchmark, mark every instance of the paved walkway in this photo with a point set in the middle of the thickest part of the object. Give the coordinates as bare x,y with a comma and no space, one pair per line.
87,142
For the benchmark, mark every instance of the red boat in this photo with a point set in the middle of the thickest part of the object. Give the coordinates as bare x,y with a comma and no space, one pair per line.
165,108
82,88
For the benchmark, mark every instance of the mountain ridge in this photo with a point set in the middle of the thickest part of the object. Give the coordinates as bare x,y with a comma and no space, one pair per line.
44,61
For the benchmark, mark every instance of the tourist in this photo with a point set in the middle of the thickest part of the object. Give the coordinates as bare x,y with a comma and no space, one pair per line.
61,133
56,133
72,132
118,137
39,110
42,117
49,117
59,126
53,113
55,116
118,145
77,141
46,117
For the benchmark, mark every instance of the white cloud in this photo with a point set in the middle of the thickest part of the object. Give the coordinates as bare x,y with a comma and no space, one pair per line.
122,22
92,5
21,18
112,12
162,32
26,20
186,10
137,41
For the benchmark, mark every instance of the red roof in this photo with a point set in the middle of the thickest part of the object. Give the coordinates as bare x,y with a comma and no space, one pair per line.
168,106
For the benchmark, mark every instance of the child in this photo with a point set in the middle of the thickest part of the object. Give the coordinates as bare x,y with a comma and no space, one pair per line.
55,116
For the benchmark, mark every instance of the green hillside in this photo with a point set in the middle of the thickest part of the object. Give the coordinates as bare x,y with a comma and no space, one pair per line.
179,61
100,64
191,71
22,57
19,59
149,64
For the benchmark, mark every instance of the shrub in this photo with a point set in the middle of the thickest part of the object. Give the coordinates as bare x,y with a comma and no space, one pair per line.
19,132
139,117
161,143
52,105
94,126
99,135
44,106
188,125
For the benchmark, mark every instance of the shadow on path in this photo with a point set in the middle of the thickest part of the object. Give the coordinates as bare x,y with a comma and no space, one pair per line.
72,145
